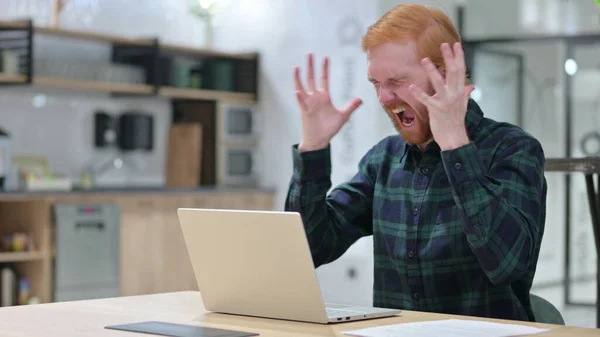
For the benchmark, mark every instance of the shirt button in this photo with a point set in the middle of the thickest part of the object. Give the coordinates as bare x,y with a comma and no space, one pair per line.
424,171
416,211
416,296
411,254
457,166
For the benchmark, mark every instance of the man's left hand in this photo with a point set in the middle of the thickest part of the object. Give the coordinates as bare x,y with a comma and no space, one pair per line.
448,107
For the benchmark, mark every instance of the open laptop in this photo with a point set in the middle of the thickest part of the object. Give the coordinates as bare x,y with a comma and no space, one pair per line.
258,263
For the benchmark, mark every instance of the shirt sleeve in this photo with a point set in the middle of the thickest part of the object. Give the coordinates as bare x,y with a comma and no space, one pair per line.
332,222
502,205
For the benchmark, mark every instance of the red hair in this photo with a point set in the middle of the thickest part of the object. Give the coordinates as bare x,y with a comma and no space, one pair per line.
427,27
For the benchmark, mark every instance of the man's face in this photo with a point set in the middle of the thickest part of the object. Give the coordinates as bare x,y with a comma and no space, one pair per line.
392,68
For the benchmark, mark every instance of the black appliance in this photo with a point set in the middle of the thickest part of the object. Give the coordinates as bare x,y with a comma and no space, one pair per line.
128,131
136,131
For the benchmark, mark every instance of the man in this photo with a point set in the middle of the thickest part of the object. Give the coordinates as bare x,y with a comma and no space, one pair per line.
455,202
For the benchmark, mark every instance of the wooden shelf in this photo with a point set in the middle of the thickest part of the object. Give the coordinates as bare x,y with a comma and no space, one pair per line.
12,78
207,52
21,256
58,32
113,87
129,88
13,24
134,89
100,37
35,219
74,34
184,93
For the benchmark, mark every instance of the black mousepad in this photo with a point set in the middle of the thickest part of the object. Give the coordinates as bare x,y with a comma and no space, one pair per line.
178,330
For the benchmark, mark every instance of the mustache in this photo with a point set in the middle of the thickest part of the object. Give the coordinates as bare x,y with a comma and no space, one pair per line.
396,105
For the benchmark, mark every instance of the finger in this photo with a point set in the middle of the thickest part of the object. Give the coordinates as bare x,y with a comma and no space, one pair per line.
459,60
325,75
420,95
459,56
434,76
297,81
450,64
351,106
311,74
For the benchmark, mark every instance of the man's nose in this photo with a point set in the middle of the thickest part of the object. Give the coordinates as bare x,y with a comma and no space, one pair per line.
386,96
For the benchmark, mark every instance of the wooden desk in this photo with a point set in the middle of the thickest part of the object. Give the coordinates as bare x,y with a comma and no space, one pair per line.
88,318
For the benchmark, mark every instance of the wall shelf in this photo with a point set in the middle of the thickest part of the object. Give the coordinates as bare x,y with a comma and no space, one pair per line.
235,81
9,257
13,78
171,48
89,36
34,219
184,93
114,39
131,89
112,87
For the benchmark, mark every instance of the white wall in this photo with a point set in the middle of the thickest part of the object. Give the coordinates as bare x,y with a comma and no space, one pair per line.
61,129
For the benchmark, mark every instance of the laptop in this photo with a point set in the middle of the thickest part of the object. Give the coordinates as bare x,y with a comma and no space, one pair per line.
258,263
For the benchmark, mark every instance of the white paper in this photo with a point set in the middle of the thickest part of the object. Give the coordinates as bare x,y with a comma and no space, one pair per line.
448,328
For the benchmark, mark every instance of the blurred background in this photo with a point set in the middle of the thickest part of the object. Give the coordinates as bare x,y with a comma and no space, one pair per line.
113,113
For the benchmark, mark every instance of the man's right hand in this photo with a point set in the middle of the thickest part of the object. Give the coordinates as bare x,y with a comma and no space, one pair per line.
321,121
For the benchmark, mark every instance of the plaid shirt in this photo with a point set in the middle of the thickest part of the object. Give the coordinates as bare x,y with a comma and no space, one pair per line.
455,232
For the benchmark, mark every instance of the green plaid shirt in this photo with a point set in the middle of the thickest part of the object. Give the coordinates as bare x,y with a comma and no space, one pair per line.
455,232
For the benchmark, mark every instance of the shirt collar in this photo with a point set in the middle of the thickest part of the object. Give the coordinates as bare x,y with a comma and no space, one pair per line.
473,117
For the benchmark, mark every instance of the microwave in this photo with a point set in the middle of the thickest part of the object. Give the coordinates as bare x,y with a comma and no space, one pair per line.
237,123
238,165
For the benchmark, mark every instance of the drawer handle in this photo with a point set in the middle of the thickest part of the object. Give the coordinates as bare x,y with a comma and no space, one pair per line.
90,225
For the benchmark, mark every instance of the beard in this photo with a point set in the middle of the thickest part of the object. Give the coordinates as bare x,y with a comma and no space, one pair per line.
419,132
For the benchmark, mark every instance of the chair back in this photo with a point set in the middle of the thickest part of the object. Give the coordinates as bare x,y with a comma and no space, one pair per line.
544,311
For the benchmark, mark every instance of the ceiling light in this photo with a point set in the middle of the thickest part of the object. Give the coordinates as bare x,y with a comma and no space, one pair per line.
570,67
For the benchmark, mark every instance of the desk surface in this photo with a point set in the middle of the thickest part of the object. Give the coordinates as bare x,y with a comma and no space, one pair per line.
587,165
88,318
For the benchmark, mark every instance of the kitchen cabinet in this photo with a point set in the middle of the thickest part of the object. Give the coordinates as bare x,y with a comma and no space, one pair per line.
152,253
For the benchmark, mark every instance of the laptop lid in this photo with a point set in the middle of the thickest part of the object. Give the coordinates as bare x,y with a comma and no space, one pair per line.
254,263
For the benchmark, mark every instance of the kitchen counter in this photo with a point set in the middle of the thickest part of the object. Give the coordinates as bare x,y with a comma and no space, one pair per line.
124,191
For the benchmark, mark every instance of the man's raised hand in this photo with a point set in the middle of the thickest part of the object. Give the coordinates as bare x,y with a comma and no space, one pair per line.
321,121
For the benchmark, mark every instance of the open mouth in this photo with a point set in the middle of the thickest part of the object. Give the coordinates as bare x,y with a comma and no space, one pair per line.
406,117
